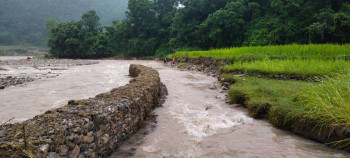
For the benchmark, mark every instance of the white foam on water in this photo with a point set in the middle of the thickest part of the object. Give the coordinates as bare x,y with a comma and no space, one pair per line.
202,123
152,147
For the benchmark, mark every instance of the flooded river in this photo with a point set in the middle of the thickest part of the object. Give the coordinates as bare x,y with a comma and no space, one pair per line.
24,101
196,122
193,122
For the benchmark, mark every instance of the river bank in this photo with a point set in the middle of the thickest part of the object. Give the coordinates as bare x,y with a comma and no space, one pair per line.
261,95
194,121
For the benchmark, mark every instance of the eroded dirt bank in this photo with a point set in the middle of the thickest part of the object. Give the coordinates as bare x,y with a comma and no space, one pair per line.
195,121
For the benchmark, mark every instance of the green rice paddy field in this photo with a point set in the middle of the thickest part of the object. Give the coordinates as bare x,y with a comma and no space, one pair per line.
295,101
325,51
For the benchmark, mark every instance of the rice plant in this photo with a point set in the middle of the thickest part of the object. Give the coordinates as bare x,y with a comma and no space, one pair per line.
312,67
328,102
312,51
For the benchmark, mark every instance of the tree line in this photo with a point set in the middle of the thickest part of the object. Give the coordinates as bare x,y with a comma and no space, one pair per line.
157,27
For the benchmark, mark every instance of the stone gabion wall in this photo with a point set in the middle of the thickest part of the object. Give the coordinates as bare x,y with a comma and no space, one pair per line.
87,128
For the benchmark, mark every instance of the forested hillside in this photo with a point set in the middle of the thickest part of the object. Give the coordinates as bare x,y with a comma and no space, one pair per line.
23,21
160,26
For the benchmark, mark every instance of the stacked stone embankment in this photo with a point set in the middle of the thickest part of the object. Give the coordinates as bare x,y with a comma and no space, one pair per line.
87,128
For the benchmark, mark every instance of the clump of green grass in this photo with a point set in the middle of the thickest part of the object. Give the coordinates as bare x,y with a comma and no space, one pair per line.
312,51
328,102
40,56
296,67
324,107
228,78
259,94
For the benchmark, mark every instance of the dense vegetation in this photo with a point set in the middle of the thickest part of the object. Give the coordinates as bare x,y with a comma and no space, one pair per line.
78,39
156,27
22,22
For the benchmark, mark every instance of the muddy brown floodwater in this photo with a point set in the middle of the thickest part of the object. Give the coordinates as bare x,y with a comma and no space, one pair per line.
193,122
24,101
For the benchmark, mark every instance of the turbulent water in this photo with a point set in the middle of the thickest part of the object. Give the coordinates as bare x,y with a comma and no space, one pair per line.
193,122
196,122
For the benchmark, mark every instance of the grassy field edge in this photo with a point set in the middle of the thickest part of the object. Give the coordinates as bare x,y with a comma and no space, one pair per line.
335,135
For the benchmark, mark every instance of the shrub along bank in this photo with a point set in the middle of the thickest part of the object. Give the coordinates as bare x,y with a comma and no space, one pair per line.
317,110
87,128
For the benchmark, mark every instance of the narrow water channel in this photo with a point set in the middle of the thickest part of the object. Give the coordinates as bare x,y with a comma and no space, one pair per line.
195,122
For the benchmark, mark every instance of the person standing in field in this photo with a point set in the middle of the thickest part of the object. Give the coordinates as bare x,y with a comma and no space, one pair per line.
173,60
165,60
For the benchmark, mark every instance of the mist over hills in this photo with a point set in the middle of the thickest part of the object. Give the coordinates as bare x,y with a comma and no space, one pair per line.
23,21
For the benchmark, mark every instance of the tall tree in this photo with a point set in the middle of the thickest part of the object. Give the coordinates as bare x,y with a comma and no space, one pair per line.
224,28
78,39
91,21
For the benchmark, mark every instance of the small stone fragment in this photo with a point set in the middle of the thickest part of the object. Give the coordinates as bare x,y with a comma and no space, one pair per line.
53,155
104,139
213,87
88,138
44,148
2,134
75,152
237,105
226,84
63,150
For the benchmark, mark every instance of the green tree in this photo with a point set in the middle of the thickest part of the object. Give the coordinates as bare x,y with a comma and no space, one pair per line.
224,28
187,20
141,16
81,39
91,22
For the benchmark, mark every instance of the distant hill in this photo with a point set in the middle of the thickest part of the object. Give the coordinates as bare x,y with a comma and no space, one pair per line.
23,21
